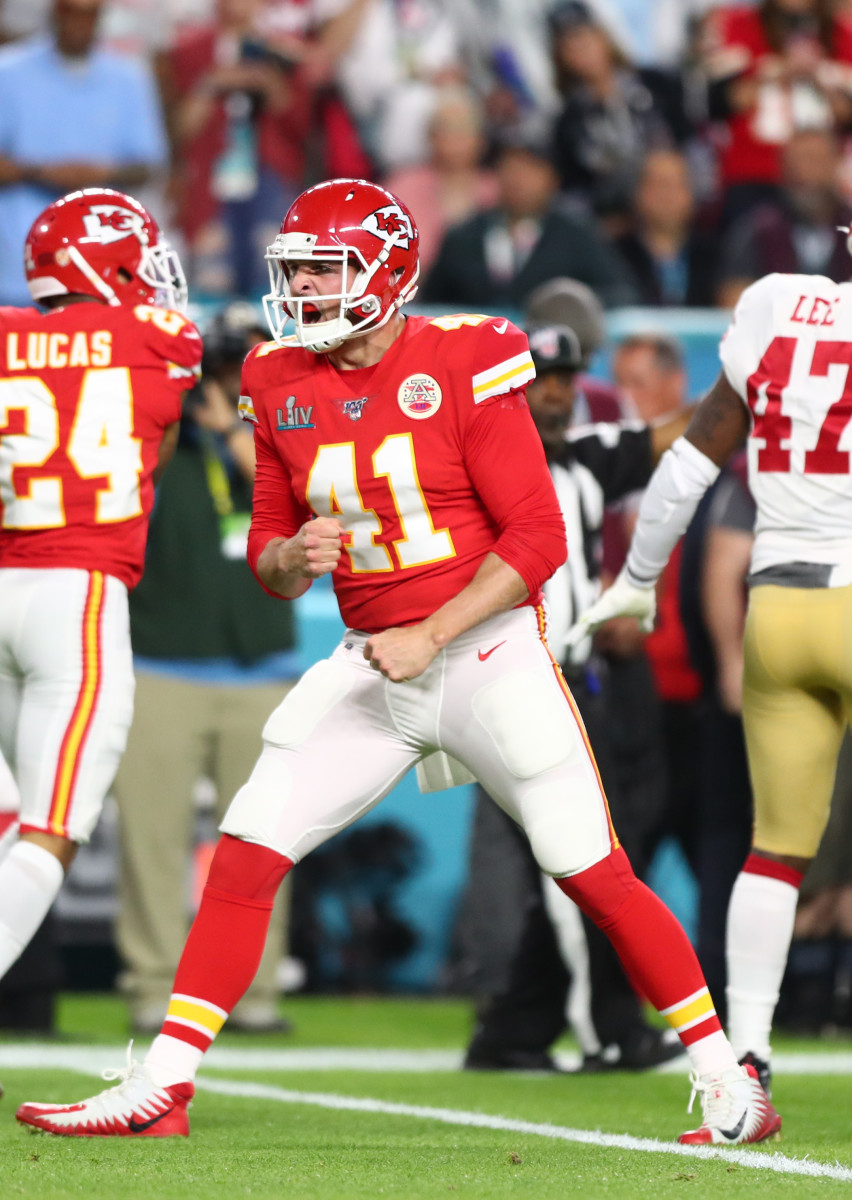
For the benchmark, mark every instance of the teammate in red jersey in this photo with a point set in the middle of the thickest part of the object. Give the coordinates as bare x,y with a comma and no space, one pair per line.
90,397
399,456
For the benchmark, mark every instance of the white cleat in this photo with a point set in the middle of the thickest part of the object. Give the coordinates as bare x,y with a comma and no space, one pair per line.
736,1109
134,1108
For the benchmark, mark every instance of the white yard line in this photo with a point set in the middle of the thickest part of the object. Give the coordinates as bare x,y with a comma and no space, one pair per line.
92,1059
757,1160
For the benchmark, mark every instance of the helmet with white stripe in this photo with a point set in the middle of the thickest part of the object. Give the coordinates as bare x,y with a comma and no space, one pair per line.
362,230
102,243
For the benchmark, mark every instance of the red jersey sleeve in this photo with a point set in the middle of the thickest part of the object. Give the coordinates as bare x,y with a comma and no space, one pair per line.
507,466
500,360
275,510
505,458
172,337
247,411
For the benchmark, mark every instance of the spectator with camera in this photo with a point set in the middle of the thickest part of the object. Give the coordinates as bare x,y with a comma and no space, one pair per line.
213,657
245,109
773,69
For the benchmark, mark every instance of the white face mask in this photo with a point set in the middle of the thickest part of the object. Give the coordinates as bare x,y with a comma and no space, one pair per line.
161,270
320,336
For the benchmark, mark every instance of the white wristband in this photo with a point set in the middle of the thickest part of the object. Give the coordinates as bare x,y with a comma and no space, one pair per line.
682,477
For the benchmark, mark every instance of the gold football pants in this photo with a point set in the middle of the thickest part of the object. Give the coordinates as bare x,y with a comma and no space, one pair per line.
797,699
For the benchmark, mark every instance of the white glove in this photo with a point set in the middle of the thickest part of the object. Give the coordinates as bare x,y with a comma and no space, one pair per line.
623,599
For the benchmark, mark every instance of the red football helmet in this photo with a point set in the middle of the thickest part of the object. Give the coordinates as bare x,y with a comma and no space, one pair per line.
349,223
102,243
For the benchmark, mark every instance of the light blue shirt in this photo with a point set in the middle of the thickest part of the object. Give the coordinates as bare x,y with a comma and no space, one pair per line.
103,108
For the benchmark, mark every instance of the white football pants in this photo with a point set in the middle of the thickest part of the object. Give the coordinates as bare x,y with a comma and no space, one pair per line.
66,692
494,699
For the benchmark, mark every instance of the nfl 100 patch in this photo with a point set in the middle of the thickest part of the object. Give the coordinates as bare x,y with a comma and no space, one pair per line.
353,409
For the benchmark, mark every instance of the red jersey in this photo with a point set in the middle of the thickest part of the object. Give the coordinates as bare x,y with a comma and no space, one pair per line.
86,393
430,460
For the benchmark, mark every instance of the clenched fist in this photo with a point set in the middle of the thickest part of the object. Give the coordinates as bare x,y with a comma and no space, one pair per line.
288,566
317,547
401,653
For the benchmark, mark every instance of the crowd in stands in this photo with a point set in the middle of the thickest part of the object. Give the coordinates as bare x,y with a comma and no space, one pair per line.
664,154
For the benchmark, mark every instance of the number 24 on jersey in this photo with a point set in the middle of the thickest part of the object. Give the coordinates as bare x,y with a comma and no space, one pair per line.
101,445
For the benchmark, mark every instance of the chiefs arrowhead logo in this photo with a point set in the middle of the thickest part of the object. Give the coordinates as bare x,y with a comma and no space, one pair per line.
384,222
110,223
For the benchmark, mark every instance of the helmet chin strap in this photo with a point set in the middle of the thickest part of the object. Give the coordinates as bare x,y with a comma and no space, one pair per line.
94,279
332,343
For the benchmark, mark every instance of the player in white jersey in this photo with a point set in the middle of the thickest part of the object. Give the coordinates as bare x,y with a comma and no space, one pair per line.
786,388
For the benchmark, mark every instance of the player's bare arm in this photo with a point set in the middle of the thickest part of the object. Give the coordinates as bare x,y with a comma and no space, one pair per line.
666,432
719,425
289,566
405,652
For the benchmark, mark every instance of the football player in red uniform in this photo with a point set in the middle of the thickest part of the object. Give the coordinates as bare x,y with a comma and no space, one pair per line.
90,397
400,457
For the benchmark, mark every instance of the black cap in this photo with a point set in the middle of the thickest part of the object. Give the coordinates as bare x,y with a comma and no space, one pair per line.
569,15
554,348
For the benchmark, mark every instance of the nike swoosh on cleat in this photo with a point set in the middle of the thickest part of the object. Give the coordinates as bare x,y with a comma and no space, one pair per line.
138,1126
482,657
733,1134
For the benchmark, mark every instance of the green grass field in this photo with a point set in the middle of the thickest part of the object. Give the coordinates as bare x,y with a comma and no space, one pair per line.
274,1118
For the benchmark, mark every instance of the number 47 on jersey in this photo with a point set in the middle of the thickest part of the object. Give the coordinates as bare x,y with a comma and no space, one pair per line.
766,388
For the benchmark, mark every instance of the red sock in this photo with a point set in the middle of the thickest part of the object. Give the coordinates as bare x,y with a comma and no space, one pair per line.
756,864
653,948
226,941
